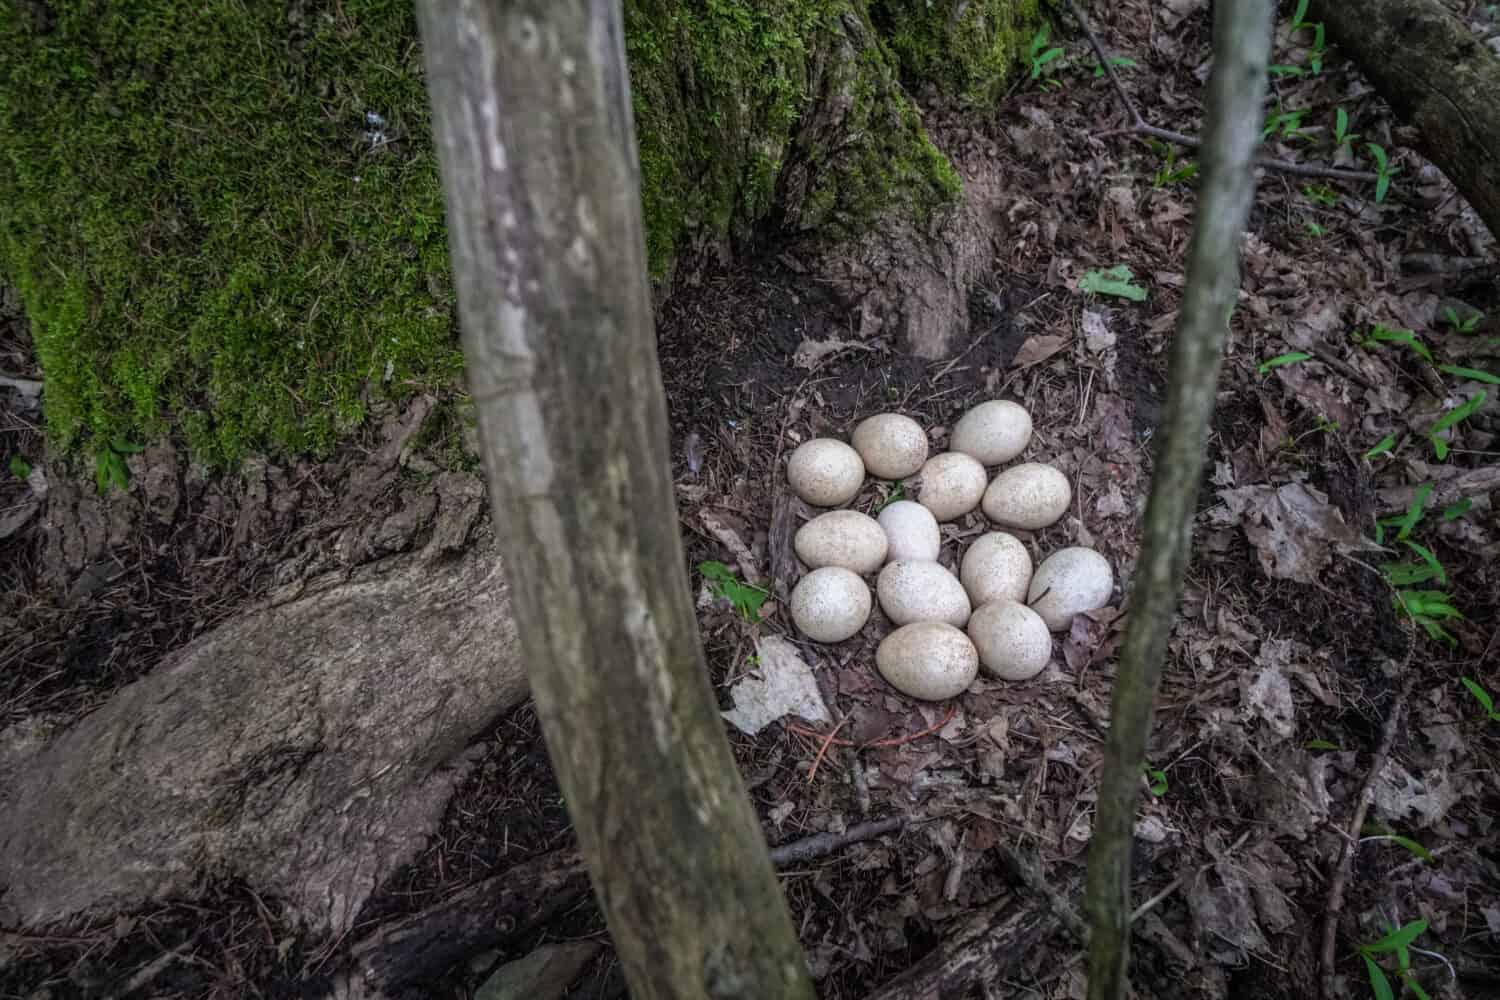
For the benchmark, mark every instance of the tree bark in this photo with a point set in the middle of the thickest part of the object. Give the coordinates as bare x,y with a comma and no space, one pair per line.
1236,92
532,113
1438,76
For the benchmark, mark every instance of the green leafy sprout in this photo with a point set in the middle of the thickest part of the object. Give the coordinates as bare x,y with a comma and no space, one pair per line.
1463,324
1408,521
1041,55
1320,745
1322,194
1313,229
19,467
1156,780
1383,170
1341,134
1453,417
1119,62
110,470
745,598
1115,281
1172,172
1286,125
1382,334
1471,373
898,492
1290,358
1483,697
1397,942
1382,447
1374,833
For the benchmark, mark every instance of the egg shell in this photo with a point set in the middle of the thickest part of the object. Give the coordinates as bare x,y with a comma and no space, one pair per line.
1012,640
825,472
830,604
928,660
911,531
844,538
1067,582
952,485
996,567
1031,496
993,432
912,591
892,446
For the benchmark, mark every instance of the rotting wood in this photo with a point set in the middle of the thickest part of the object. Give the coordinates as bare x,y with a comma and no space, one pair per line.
1435,74
1236,92
532,115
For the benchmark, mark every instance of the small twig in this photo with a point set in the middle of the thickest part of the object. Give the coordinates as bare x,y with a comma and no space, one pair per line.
1176,883
827,742
821,845
1340,879
152,970
1139,125
890,741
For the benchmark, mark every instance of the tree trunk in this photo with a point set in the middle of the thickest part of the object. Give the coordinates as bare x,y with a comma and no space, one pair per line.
1236,91
1439,77
531,108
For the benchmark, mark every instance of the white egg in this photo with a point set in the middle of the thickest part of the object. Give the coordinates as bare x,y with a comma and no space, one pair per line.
1030,496
1067,582
825,472
996,567
892,446
1012,640
844,538
830,604
921,592
952,485
928,660
993,432
912,532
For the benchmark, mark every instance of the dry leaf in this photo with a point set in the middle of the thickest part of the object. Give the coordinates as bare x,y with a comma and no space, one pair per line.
1038,349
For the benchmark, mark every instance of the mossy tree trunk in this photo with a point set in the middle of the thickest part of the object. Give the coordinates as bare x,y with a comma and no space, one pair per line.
1438,76
531,109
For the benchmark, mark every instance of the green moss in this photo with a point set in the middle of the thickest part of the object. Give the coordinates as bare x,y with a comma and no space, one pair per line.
199,227
973,57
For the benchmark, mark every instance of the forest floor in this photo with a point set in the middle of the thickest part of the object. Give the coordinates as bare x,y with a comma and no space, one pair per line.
1290,667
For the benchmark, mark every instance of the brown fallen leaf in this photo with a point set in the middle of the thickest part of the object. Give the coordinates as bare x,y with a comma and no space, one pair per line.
1038,349
1293,528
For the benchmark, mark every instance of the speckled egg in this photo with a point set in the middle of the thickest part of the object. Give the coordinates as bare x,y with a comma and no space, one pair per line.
844,538
1012,640
993,432
830,604
911,531
825,472
928,660
952,485
995,567
1067,582
1031,496
921,592
892,446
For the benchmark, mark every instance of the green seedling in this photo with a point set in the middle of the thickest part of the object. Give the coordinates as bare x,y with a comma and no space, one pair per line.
1341,134
1281,69
1383,170
1157,780
1471,373
1118,62
1322,194
898,492
1382,447
1374,833
1115,281
1320,745
1173,173
1463,324
19,467
745,598
1408,521
1429,609
1299,16
1453,417
1457,509
1319,46
1290,358
109,465
1313,229
1382,334
1483,697
1397,941
1427,570
1041,55
1286,125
